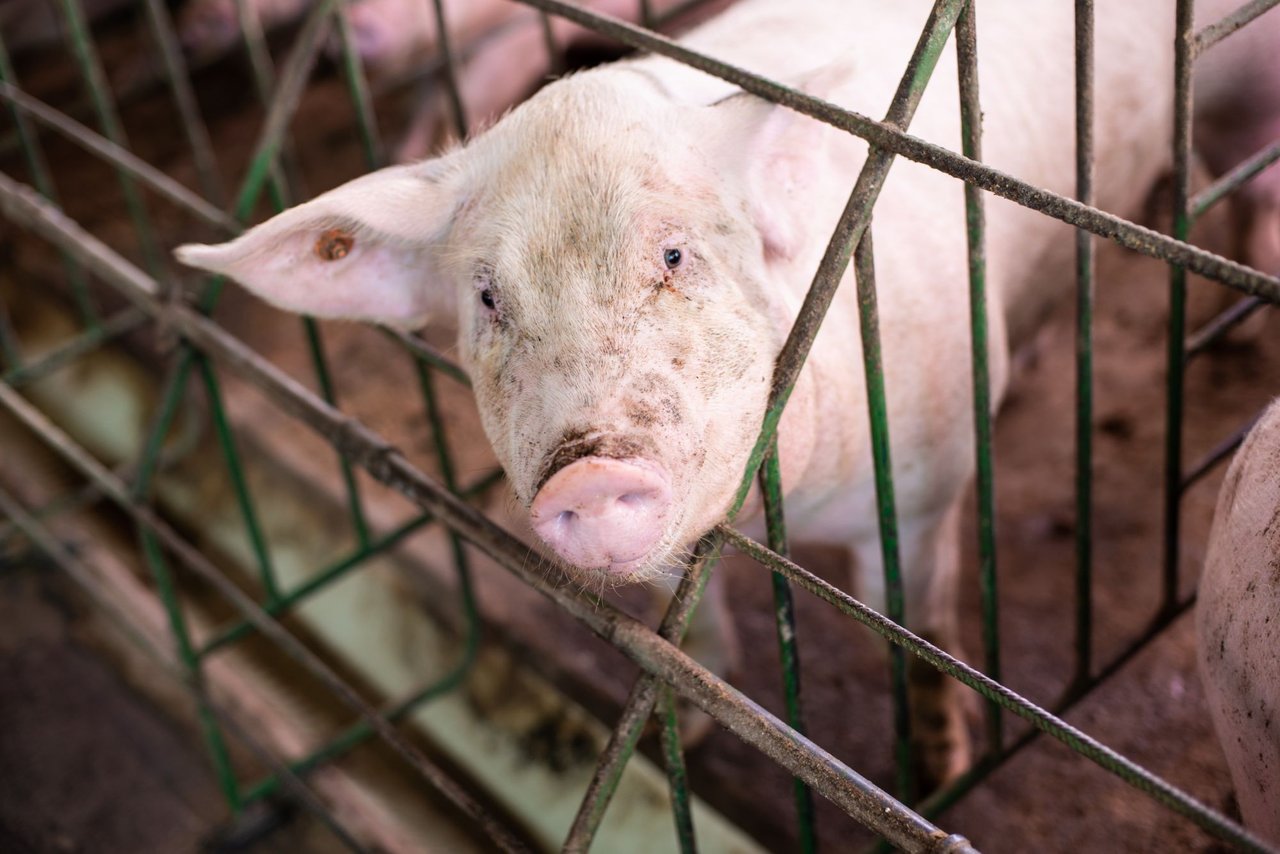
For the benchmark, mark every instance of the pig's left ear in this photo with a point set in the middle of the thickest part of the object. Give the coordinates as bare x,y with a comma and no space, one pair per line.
781,157
367,250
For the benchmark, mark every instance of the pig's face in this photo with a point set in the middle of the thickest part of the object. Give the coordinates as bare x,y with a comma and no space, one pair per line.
615,297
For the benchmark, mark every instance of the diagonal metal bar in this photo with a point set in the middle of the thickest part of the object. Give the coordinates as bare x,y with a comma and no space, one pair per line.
1219,30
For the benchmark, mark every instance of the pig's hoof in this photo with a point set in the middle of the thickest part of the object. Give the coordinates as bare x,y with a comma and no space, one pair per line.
941,710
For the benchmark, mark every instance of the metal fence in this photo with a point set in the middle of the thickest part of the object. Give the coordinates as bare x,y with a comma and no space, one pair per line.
205,350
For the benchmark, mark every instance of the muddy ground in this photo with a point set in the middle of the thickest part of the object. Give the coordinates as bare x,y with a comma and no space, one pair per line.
1046,798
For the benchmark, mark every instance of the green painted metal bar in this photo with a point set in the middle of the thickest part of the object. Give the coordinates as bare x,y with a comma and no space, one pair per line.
886,508
316,583
184,98
358,89
262,71
320,364
1176,365
424,352
212,733
171,392
239,485
43,180
784,614
124,321
1084,54
677,774
1079,742
95,80
444,44
975,229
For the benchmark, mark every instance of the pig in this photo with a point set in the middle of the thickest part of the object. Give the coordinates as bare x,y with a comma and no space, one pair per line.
393,36
1238,624
208,29
624,253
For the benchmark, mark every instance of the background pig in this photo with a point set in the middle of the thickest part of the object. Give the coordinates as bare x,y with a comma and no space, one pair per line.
1238,622
624,254
209,28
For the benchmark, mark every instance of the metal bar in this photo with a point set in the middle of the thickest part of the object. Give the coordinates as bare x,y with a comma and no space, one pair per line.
886,507
892,139
1234,179
677,775
43,181
358,88
320,581
119,157
1219,30
1073,738
1177,363
126,320
184,97
263,73
1084,19
321,365
96,81
1220,452
784,614
1207,335
239,485
423,351
444,46
975,227
79,572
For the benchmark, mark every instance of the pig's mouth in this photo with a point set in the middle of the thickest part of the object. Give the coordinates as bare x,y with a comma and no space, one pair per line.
605,514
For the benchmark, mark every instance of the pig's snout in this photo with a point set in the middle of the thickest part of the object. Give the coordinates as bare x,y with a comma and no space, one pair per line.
603,513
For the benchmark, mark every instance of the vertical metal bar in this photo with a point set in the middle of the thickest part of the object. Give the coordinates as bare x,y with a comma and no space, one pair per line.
886,509
1084,348
443,40
358,88
263,72
184,97
321,365
235,471
1183,58
785,622
91,71
677,775
43,181
975,220
159,568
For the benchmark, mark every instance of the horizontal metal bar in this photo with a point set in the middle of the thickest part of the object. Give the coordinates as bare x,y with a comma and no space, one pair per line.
828,776
883,135
1234,179
1219,30
1078,741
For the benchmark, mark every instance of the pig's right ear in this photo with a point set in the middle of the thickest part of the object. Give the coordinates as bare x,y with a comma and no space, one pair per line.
367,250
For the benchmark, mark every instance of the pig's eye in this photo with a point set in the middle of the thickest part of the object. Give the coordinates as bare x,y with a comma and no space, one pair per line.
486,297
672,258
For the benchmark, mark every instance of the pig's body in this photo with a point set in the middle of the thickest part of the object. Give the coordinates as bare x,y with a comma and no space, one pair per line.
626,252
208,29
1238,623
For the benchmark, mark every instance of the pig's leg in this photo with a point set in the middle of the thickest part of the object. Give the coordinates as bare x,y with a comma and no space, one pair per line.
929,552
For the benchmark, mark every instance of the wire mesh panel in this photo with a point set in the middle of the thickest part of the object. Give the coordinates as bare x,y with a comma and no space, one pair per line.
124,293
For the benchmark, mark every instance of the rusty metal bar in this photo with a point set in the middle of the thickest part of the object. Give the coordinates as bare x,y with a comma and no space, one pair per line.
1219,30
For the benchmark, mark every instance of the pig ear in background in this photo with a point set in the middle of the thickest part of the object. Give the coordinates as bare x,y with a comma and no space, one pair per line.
364,251
784,158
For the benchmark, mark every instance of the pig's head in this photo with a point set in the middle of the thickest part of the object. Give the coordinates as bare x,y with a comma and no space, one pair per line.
616,267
